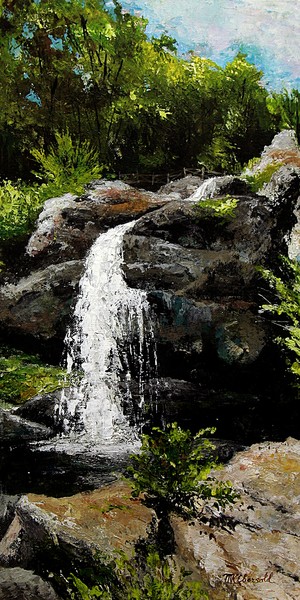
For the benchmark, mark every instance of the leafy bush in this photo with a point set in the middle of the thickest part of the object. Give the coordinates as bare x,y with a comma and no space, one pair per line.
154,579
67,166
22,376
260,178
173,470
287,290
19,207
220,208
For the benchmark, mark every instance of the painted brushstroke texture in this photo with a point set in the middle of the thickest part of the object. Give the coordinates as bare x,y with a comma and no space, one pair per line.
267,30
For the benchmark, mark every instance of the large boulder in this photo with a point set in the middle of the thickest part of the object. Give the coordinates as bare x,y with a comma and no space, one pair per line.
16,430
80,526
39,305
252,550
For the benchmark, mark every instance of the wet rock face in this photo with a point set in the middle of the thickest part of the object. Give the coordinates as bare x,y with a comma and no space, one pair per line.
201,272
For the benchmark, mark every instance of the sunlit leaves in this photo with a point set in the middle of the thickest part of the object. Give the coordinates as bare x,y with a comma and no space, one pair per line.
286,304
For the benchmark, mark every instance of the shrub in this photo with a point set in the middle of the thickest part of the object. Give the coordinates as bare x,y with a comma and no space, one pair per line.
67,166
154,579
220,208
173,470
19,207
22,376
287,291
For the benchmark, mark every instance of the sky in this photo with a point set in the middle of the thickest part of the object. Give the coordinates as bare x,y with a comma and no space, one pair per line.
268,31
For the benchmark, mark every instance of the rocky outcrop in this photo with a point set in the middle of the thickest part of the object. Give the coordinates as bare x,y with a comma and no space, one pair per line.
253,549
283,150
67,226
249,551
201,273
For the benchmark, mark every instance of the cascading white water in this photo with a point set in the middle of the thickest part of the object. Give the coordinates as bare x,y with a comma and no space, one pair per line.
206,190
111,336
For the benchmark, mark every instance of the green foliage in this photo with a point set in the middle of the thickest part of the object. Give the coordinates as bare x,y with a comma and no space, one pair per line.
173,470
154,579
287,291
286,107
220,208
19,207
67,166
258,179
22,376
78,67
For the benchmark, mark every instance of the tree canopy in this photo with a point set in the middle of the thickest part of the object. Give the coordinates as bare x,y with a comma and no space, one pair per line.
76,66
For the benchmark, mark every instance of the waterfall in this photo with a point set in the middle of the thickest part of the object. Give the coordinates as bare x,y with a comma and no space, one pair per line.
110,342
206,190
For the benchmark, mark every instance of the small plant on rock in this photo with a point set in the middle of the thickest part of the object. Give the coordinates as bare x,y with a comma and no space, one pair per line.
173,470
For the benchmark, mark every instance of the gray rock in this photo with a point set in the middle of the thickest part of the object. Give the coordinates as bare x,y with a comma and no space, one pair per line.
15,430
41,409
19,584
39,305
181,188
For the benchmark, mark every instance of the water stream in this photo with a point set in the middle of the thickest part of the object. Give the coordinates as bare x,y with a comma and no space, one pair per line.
110,344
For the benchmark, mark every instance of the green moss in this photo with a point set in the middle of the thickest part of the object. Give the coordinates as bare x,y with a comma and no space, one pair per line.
22,376
219,208
260,178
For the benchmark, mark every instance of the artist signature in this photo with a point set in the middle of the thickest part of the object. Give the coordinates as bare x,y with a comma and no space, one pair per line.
246,578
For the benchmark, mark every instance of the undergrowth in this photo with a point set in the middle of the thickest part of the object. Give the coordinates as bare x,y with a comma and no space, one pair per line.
22,376
66,167
152,579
